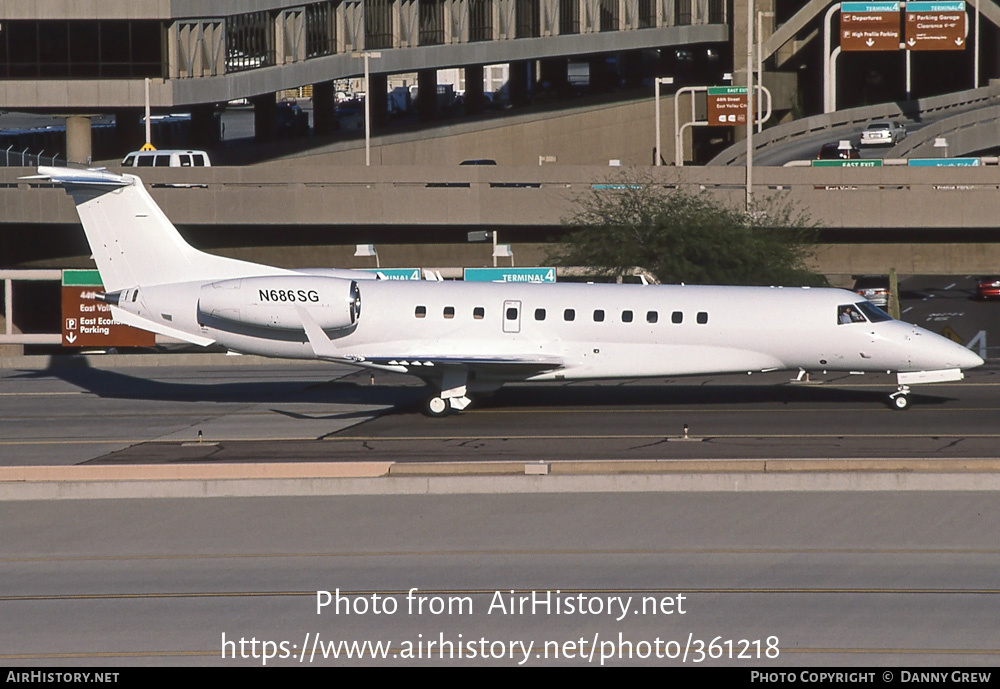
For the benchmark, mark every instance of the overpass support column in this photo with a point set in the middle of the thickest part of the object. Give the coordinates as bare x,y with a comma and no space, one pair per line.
264,116
129,132
475,102
554,74
324,108
205,127
600,79
634,69
78,143
427,100
518,82
379,87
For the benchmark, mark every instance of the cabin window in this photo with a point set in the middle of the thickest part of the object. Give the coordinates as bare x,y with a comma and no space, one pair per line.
420,312
511,313
598,315
449,312
626,316
702,317
652,316
569,315
677,317
479,313
539,314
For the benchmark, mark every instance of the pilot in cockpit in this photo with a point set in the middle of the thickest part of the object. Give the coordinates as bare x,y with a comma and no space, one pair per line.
848,314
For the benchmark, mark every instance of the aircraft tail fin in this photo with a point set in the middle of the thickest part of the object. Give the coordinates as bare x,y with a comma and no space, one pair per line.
133,241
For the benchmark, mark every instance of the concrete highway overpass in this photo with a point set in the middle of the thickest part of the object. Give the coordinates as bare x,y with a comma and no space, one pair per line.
918,220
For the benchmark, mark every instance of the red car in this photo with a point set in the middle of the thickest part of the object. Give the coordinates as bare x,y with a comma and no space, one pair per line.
988,288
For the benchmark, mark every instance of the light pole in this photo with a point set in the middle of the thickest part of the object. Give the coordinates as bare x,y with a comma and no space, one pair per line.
368,107
760,62
750,98
657,81
368,250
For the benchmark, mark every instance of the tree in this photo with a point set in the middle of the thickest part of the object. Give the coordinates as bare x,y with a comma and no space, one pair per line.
689,238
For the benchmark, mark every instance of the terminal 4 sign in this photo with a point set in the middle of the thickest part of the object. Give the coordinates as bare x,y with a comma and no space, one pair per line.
869,26
935,25
539,275
87,322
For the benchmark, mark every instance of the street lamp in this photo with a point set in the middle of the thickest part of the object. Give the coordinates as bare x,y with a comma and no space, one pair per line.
502,251
368,108
760,62
941,143
657,81
368,250
750,99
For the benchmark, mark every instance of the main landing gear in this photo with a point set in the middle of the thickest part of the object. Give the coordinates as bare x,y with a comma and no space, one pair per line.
900,400
438,406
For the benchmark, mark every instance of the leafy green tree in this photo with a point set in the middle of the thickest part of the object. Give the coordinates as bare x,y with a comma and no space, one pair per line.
689,238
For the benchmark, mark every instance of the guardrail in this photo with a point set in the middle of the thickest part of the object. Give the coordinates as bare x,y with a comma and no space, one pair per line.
967,131
913,110
9,336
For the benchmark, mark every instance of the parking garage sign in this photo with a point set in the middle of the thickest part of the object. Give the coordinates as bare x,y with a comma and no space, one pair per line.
867,26
935,26
87,322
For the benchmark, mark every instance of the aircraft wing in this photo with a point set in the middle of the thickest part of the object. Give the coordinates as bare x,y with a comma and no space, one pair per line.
496,366
424,365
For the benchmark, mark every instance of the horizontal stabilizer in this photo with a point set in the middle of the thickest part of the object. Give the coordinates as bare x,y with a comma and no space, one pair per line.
68,176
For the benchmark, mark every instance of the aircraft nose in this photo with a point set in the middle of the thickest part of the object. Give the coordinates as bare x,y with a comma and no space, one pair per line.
968,358
954,355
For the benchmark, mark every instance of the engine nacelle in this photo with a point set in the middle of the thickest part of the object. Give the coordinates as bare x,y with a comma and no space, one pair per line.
274,301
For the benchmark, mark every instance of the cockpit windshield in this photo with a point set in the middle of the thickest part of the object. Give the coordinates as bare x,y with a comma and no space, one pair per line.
862,312
849,313
874,313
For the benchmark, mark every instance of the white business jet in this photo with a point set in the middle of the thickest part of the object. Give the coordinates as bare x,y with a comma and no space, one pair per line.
468,338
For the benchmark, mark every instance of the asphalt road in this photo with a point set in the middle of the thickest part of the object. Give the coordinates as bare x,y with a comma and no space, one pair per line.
881,580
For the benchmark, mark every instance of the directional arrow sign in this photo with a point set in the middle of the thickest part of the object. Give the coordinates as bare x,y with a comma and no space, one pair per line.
869,26
875,162
727,106
935,25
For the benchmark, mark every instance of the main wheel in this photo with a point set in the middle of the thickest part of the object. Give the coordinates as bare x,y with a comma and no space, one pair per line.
436,406
901,402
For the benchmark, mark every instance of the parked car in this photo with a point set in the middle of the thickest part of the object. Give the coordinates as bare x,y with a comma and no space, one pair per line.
838,150
167,158
988,288
874,288
883,133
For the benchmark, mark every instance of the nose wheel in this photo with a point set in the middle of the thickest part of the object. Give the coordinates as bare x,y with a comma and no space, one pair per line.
900,400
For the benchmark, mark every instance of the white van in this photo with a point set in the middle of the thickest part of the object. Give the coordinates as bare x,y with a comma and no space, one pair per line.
167,158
